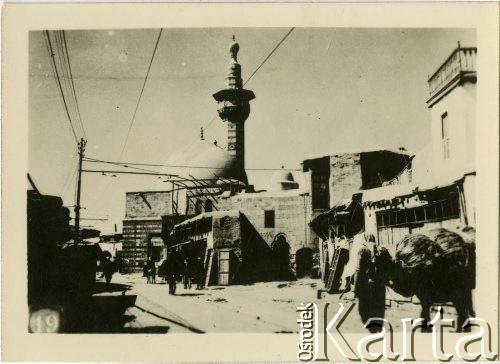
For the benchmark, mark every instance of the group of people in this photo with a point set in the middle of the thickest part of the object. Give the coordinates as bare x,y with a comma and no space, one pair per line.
193,272
189,270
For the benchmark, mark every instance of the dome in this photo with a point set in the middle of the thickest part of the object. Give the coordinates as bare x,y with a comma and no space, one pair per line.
282,176
215,162
283,180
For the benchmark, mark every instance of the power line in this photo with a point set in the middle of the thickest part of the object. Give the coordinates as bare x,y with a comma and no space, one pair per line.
269,56
92,160
66,79
136,108
128,164
68,176
51,55
73,84
176,177
140,95
253,74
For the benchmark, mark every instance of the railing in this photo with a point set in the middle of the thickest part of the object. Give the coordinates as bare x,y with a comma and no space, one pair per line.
462,60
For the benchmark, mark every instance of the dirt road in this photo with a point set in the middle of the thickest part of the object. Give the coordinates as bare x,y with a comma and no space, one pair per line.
259,308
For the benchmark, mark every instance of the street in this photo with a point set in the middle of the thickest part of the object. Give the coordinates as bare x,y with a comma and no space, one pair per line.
268,307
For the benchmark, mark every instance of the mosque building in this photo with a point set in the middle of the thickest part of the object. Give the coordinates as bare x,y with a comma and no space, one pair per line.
240,234
273,222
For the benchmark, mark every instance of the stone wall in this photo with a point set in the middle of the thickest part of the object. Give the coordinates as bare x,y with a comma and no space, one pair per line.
148,204
345,177
292,215
226,232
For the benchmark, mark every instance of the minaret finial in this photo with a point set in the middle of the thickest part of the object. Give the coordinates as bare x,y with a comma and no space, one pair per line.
233,49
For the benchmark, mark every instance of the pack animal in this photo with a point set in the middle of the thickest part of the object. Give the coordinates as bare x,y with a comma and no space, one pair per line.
438,267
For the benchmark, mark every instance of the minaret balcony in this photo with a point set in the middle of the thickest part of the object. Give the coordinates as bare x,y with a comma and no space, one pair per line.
239,94
234,113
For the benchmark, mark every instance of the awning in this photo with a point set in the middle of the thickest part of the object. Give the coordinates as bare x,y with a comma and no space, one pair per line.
338,214
206,216
387,192
393,192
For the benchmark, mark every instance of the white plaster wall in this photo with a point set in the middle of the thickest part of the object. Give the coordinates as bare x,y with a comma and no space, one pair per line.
460,106
370,221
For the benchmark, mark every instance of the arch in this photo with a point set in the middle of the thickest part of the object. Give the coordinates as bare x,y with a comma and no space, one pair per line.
279,238
281,255
303,262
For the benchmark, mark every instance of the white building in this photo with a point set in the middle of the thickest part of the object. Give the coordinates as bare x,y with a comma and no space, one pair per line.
438,187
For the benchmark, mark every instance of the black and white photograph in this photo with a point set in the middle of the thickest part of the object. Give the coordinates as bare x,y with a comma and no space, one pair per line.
210,180
250,182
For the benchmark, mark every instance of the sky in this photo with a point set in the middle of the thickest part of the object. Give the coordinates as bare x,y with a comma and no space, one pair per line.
323,90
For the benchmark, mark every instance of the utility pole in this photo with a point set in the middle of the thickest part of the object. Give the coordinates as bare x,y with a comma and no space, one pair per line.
81,151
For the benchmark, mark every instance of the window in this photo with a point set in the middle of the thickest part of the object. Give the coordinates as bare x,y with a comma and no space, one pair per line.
208,206
320,199
269,218
434,211
445,135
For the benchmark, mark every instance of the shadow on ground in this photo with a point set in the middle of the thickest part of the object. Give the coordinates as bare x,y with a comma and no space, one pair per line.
102,287
190,294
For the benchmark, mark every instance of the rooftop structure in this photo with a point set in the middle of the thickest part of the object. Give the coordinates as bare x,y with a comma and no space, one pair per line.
458,68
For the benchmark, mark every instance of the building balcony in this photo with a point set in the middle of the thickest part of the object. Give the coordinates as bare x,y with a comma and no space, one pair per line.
459,67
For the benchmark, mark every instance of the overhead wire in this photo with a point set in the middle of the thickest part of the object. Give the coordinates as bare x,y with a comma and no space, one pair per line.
105,189
128,164
58,79
269,56
57,45
140,94
66,80
251,75
71,169
73,83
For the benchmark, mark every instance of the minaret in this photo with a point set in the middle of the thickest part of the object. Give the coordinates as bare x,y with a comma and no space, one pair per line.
234,107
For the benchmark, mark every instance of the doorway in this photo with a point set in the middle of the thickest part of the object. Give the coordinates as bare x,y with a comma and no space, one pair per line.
281,254
303,262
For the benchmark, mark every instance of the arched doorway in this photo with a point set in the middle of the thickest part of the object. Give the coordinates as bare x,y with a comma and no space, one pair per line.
281,254
303,262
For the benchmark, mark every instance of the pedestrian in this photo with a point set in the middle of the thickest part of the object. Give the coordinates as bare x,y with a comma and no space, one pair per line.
108,268
369,284
145,271
187,274
170,275
152,272
199,274
161,269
